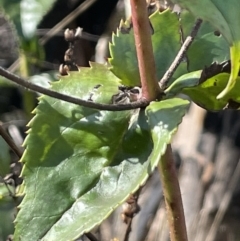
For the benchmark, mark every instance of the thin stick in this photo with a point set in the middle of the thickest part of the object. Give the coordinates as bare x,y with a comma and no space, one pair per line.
10,142
143,42
187,43
224,204
15,149
172,195
58,27
111,107
68,19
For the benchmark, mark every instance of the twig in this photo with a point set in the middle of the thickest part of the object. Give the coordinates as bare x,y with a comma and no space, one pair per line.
15,149
144,49
187,43
111,107
224,204
172,195
68,19
10,142
60,33
58,27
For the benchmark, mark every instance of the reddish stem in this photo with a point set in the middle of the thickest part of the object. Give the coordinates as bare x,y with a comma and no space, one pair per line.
146,62
172,195
151,90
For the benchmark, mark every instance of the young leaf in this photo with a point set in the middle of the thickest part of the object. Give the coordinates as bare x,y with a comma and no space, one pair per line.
204,94
163,119
185,81
80,163
225,17
165,40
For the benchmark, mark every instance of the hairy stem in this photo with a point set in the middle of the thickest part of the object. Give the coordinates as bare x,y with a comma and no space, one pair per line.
172,195
143,42
187,43
112,107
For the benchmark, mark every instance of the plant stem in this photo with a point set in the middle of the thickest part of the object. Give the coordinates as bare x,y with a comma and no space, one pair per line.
143,42
187,43
150,91
172,195
111,107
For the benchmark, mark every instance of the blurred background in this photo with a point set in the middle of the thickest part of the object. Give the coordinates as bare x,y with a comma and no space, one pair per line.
206,147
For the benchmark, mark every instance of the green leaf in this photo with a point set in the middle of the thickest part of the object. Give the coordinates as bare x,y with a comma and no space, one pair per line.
44,79
163,119
165,40
185,81
206,50
207,47
26,14
166,44
225,17
80,163
205,92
